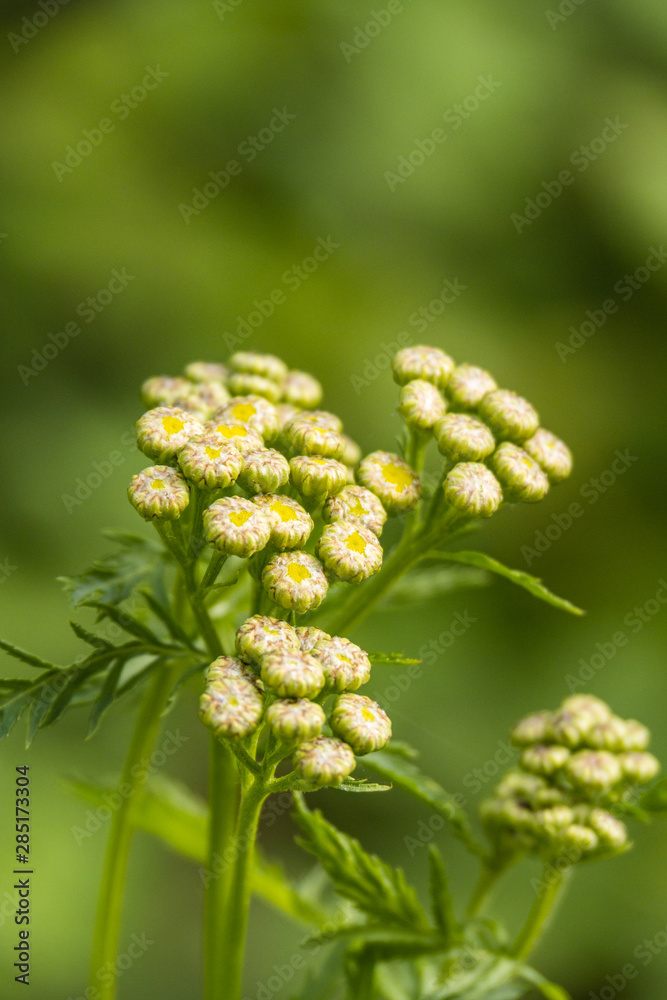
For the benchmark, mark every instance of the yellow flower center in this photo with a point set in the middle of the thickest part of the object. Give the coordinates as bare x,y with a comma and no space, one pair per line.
284,512
243,411
367,715
357,508
239,517
233,431
298,573
213,452
172,425
396,476
157,484
356,543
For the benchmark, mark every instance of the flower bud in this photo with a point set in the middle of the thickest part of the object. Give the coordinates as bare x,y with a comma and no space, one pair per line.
250,411
468,385
638,766
206,371
463,438
420,404
580,837
360,722
261,636
245,384
236,526
321,418
253,363
163,390
295,580
610,831
519,475
570,728
241,436
535,728
209,464
352,454
301,389
545,760
317,477
549,796
593,770
589,706
163,431
231,708
293,674
346,666
308,636
306,438
508,415
298,719
471,488
554,820
264,471
159,492
391,480
636,735
609,735
427,363
204,398
551,454
518,784
291,525
517,816
356,504
227,668
324,761
349,551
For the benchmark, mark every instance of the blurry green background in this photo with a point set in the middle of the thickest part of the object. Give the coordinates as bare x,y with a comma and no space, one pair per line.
556,78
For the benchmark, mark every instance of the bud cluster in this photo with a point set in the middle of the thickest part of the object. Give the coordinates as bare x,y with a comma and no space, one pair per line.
282,676
576,766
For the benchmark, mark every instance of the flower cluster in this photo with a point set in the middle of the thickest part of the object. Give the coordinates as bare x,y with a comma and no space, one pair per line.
282,677
493,445
577,766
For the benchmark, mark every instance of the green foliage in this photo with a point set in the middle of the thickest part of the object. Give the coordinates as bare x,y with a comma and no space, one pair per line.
442,903
114,577
434,581
391,660
655,798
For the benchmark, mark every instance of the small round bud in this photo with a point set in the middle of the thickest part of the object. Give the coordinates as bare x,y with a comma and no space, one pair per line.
609,735
508,415
427,363
636,736
306,438
463,438
352,453
570,728
263,471
517,816
321,418
204,398
293,674
250,411
391,480
349,551
346,666
209,464
159,492
360,722
471,488
206,371
588,705
356,504
554,820
317,477
163,390
324,761
638,766
610,831
551,454
420,404
231,708
518,784
300,719
253,363
261,636
236,526
309,635
163,431
593,770
244,384
227,668
295,580
301,389
468,385
535,728
545,760
519,475
241,436
291,525
549,796
580,837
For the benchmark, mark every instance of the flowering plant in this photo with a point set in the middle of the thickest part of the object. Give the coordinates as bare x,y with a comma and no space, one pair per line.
269,553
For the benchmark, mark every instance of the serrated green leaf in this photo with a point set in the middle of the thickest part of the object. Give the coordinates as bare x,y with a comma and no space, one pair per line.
126,621
81,632
16,702
425,584
530,583
354,785
392,660
25,657
655,798
105,697
548,989
372,885
115,576
166,617
408,776
54,700
442,903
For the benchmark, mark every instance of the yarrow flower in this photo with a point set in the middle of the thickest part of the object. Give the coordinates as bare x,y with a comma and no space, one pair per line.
264,471
295,720
209,464
551,454
462,438
349,551
159,492
241,436
250,411
206,371
468,385
420,404
473,489
246,384
163,390
161,432
291,525
261,636
427,363
301,389
253,363
508,415
227,668
360,722
308,636
231,708
520,476
346,666
356,504
236,526
317,477
307,438
391,480
324,761
295,580
292,674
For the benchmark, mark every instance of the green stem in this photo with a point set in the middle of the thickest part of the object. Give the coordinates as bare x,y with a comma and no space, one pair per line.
110,904
488,877
536,923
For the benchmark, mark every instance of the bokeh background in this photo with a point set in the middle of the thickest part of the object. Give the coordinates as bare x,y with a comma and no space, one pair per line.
363,86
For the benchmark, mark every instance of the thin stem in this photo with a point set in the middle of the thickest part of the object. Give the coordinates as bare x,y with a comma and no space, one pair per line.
488,877
536,923
110,904
218,560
